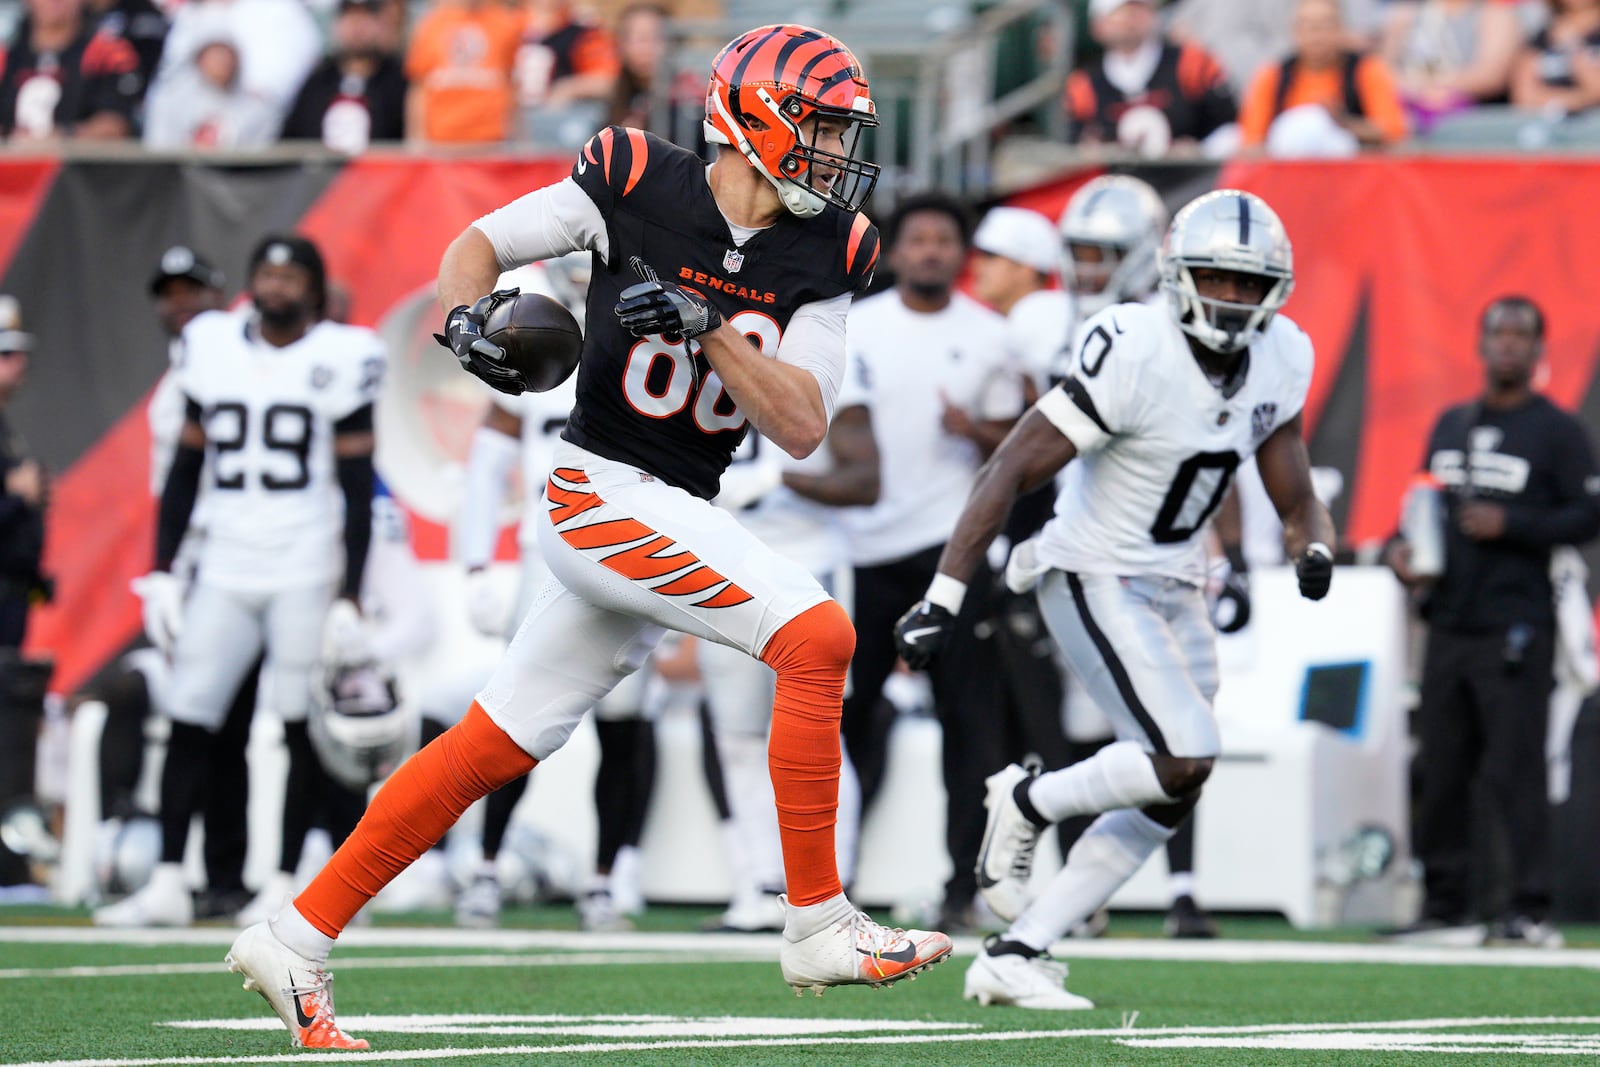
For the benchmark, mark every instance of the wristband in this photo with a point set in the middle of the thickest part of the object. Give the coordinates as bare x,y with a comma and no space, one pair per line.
947,592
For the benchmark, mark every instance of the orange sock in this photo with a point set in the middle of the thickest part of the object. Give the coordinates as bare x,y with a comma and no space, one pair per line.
412,811
811,655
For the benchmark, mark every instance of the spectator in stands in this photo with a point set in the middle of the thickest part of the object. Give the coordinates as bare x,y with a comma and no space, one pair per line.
357,94
140,23
1146,93
61,79
1245,34
1448,55
1520,479
23,490
641,44
277,41
1325,99
1559,67
566,74
459,70
202,103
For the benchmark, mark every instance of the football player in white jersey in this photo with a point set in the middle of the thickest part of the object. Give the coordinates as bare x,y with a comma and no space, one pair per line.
1159,408
279,417
792,506
528,427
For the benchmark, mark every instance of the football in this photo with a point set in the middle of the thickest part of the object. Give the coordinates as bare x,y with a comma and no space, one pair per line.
541,338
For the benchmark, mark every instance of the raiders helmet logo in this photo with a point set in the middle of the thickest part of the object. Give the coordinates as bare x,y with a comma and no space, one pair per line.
732,260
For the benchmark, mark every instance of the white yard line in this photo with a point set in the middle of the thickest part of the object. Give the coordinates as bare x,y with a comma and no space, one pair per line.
761,946
1406,1038
350,963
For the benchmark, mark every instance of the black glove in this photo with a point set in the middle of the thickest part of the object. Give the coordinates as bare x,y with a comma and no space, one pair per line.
922,632
1230,612
1314,568
674,313
463,335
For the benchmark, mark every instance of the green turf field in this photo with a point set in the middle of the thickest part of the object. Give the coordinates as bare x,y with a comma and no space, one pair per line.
540,992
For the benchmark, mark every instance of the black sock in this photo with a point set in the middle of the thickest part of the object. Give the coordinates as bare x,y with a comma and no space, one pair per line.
1001,947
182,775
497,814
302,791
1029,812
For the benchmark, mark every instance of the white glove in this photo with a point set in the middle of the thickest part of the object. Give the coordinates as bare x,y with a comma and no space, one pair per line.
1023,567
345,640
161,594
488,603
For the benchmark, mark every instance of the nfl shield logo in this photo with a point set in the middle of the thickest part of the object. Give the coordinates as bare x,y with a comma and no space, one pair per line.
732,260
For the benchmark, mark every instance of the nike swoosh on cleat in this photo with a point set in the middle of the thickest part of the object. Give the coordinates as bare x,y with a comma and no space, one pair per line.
900,955
299,1013
912,635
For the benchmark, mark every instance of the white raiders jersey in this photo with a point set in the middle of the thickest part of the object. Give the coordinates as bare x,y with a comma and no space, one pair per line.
544,416
275,516
1157,441
1039,330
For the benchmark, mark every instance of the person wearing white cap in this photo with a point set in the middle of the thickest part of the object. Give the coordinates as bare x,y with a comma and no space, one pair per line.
1017,255
1146,93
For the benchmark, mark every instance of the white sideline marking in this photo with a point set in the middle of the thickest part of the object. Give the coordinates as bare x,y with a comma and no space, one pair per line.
349,963
1403,1030
766,946
636,1026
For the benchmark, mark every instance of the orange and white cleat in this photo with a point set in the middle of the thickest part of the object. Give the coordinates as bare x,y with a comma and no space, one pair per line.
299,990
858,951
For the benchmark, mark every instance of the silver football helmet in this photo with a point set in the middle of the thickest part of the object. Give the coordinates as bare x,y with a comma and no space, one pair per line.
1234,231
1124,218
357,727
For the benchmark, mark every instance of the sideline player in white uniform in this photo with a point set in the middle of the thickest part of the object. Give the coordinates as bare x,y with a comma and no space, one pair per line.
528,427
792,506
1161,405
279,414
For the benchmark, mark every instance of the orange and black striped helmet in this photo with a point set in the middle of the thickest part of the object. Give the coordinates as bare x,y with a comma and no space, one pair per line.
767,87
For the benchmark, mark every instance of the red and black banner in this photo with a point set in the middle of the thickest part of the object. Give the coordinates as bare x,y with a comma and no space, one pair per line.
1395,258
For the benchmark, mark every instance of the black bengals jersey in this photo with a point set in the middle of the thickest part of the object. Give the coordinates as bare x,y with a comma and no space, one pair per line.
659,406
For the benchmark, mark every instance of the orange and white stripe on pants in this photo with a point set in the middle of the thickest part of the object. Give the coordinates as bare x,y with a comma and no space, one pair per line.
626,550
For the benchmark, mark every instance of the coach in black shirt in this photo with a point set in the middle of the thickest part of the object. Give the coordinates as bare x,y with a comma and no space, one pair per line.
357,94
1520,479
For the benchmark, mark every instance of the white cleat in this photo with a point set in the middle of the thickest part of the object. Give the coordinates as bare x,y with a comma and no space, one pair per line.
298,989
598,913
1036,982
761,912
1005,858
165,900
858,951
278,889
478,906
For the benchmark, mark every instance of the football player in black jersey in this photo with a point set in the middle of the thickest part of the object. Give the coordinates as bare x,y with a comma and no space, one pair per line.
718,300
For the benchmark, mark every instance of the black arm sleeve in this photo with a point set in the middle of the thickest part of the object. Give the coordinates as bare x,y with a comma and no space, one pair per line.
177,503
356,479
1575,518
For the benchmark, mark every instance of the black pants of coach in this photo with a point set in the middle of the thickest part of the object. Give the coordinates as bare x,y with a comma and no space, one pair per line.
1481,723
966,695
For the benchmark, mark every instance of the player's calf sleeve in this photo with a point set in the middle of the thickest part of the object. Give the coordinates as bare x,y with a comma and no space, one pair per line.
1118,776
746,767
497,812
1107,855
415,807
811,655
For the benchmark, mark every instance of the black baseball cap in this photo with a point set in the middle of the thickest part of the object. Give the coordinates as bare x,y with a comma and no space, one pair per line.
181,261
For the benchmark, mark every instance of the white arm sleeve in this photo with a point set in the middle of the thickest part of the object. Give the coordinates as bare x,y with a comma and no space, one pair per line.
545,223
814,342
489,464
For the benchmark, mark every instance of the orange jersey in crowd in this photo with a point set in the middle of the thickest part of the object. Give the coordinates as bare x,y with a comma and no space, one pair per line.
461,60
1373,86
